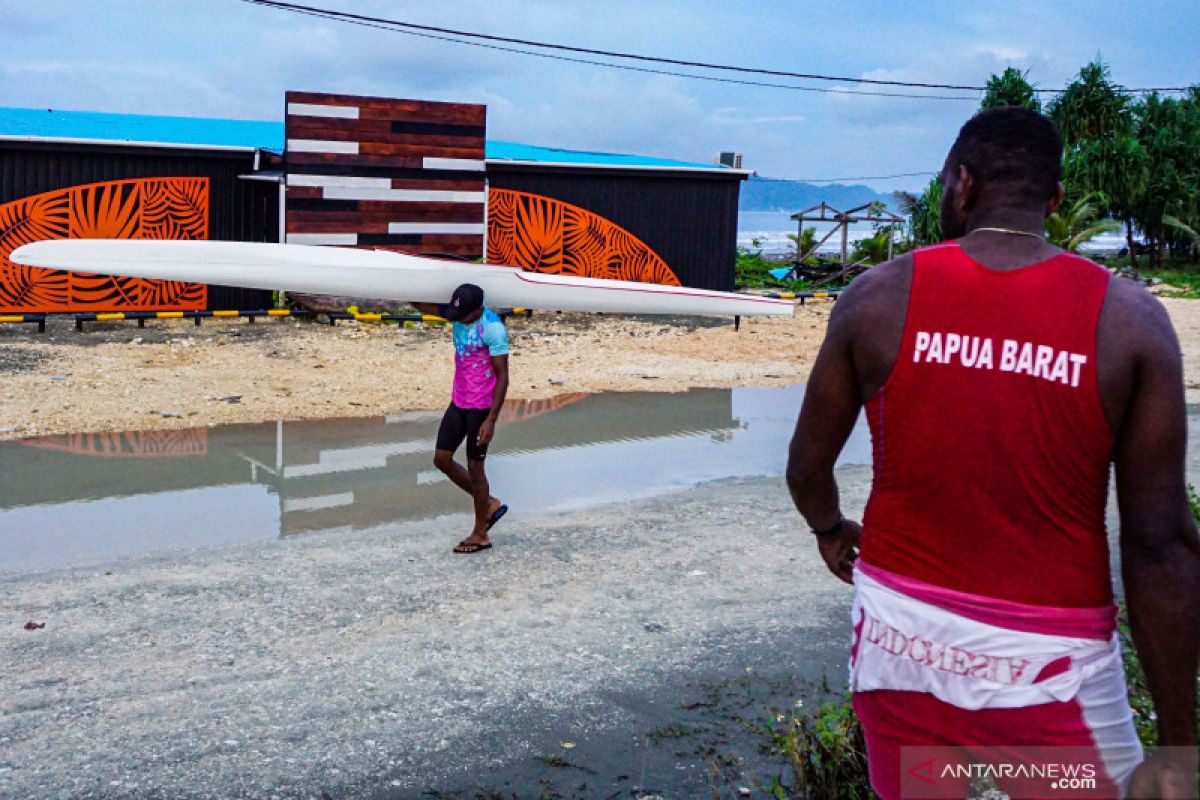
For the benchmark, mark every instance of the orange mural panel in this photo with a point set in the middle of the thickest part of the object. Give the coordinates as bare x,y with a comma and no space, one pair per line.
144,208
541,234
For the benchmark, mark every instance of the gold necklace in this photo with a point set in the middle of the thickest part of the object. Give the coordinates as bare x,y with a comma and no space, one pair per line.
1009,230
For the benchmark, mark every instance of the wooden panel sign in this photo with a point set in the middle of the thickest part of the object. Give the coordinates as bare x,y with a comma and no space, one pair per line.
404,175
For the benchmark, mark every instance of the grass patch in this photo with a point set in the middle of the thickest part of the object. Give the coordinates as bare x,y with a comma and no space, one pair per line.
1182,283
752,273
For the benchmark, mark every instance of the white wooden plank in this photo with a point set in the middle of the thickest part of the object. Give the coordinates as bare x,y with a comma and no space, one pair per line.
323,238
409,195
461,164
315,110
322,146
454,228
339,181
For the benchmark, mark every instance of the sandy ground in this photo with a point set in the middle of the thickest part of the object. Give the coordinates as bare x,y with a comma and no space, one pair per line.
172,374
379,662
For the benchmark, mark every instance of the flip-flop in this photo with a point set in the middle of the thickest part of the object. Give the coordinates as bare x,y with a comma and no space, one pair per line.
496,515
464,547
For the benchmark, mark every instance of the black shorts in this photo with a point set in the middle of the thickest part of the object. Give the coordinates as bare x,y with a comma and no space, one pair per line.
463,423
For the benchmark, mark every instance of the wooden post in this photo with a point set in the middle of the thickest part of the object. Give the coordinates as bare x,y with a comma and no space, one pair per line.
845,240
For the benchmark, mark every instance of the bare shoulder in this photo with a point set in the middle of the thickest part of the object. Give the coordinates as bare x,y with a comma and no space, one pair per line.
879,292
1133,313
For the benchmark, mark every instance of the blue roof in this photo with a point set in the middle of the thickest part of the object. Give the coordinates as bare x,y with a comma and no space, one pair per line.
511,151
200,131
51,123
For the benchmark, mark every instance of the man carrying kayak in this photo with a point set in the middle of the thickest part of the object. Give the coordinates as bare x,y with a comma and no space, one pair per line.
1001,377
480,385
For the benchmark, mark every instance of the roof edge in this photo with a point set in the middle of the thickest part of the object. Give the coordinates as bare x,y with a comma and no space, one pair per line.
714,170
227,148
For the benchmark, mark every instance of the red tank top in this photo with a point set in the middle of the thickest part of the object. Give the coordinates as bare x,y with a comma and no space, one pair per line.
991,448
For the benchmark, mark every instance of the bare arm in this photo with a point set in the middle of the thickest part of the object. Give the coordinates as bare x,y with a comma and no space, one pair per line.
831,405
1160,552
488,429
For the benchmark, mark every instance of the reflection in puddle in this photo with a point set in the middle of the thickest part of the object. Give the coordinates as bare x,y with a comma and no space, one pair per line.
71,499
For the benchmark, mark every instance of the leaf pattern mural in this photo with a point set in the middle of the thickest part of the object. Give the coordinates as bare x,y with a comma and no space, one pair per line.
22,222
541,234
146,208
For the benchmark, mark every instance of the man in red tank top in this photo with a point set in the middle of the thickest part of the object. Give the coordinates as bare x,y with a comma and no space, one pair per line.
1001,377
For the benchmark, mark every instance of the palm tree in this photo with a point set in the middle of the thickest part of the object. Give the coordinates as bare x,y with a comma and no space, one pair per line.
806,243
1010,88
873,249
1103,154
1076,225
924,213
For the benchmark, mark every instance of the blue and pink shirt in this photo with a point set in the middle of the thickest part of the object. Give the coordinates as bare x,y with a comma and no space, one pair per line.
474,345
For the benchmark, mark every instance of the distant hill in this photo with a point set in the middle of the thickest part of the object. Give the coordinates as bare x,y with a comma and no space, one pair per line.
768,194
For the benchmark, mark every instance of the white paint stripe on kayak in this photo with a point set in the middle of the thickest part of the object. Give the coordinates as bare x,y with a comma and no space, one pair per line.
339,180
318,503
462,164
323,238
316,110
456,228
410,195
322,146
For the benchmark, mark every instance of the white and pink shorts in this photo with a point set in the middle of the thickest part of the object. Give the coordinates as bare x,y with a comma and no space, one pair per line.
941,676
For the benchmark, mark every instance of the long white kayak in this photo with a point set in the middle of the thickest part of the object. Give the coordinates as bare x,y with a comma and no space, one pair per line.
379,273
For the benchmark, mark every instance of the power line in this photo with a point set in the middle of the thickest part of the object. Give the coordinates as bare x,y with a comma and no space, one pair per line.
431,31
606,53
339,17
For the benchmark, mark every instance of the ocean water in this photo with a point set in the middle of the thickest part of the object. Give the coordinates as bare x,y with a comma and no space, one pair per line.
768,231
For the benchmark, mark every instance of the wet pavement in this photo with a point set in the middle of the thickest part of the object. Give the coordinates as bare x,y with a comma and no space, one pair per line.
84,498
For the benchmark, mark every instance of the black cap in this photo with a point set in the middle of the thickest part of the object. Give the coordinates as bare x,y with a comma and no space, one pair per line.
466,300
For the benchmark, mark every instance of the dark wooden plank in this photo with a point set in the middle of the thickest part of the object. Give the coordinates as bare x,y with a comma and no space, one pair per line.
350,130
303,193
390,206
452,114
334,226
396,212
473,177
306,204
414,110
345,164
375,149
449,243
435,184
439,129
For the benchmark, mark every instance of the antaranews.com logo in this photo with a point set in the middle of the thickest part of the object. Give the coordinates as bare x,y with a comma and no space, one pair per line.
933,773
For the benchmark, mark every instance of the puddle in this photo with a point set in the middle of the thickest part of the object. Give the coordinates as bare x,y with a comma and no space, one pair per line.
70,500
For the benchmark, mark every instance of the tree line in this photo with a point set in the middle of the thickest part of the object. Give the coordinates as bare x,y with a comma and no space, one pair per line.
1129,164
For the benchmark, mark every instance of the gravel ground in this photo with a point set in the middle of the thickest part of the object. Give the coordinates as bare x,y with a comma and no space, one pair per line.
373,662
117,377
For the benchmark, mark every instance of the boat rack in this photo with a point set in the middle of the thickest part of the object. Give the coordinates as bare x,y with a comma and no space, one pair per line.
251,315
142,316
803,296
36,319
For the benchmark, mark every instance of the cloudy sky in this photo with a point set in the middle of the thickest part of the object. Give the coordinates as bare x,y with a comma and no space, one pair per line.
230,59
